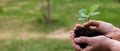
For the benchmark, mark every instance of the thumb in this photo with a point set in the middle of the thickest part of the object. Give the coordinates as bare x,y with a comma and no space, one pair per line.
92,23
83,40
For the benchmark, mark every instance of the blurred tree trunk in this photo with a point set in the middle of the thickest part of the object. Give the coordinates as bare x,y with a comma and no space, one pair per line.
46,15
49,12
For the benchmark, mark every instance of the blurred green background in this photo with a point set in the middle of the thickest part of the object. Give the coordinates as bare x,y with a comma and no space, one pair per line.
23,27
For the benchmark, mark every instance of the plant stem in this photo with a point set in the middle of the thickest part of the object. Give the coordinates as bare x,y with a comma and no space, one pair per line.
88,19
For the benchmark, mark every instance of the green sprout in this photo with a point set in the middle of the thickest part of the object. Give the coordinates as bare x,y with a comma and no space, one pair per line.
87,13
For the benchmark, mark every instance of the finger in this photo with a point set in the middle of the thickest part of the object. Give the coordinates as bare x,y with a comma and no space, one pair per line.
83,40
92,23
77,26
114,36
77,48
93,28
72,34
87,40
72,37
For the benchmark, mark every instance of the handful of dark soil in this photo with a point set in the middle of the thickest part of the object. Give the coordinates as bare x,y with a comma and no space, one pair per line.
86,32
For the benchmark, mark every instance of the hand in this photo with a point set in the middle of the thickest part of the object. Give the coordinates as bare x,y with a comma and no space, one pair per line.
108,29
98,43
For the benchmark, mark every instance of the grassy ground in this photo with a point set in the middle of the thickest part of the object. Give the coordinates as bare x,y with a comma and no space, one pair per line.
35,45
25,16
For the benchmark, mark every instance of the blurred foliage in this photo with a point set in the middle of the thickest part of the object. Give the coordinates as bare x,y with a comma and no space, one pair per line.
1,9
26,14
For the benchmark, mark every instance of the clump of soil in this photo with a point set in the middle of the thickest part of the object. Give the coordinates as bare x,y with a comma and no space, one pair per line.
86,32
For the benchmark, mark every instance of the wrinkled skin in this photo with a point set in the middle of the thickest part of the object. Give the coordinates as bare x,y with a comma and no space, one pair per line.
109,42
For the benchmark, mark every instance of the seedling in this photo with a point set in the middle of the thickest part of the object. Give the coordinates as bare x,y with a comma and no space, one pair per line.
85,16
87,13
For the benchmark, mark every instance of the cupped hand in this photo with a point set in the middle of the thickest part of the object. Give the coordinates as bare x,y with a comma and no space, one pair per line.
108,29
98,43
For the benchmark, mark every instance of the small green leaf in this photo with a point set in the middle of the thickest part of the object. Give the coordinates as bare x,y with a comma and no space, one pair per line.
82,18
93,8
83,15
94,13
83,11
86,14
